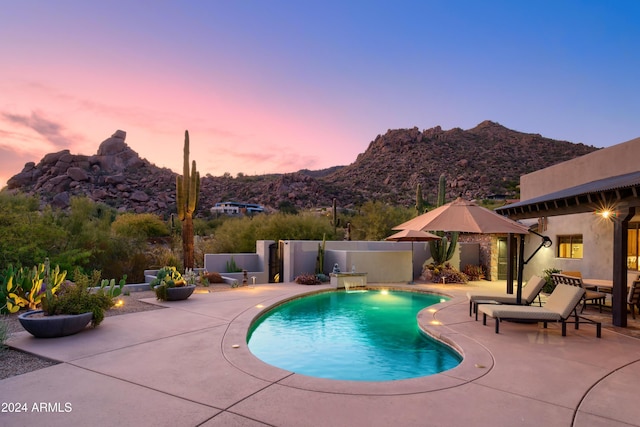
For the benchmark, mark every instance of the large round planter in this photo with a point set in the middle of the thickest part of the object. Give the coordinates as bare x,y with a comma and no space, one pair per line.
59,325
180,293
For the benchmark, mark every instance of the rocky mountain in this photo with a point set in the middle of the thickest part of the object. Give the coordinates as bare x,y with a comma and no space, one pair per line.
478,162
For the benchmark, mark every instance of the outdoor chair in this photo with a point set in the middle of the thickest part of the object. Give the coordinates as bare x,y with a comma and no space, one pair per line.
589,294
633,299
560,305
529,293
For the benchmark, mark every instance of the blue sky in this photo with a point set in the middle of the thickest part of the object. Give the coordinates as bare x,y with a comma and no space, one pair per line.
277,86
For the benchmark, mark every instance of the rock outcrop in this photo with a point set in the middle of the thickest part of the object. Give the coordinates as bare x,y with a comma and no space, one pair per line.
116,175
479,162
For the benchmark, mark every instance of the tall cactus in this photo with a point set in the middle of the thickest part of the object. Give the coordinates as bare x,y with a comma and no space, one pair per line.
335,221
443,250
420,204
442,184
187,195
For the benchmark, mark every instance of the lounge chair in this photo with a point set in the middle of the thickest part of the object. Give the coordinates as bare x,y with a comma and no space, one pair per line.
589,294
529,293
562,302
633,299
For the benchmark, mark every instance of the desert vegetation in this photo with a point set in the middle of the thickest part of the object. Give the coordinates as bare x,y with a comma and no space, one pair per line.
90,236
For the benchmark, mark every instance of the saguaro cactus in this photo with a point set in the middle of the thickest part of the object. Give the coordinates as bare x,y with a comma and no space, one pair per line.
420,204
443,250
187,195
335,221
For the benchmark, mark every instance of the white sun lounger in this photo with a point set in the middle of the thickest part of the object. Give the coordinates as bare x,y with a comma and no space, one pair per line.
529,293
559,306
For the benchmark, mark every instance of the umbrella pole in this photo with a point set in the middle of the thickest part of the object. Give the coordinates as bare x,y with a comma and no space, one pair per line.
520,271
411,282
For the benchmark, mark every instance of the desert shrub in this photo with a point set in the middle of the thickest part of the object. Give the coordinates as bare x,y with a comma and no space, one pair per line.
307,279
141,226
160,255
27,235
4,333
213,277
375,220
444,273
474,272
74,298
238,235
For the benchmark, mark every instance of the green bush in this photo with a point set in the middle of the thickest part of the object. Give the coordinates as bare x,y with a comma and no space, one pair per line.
239,235
77,299
140,226
4,333
549,286
375,220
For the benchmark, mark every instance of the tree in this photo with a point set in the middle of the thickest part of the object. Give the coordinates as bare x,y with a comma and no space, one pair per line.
376,220
187,194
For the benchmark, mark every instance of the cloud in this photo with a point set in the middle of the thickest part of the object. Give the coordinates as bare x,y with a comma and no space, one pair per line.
51,131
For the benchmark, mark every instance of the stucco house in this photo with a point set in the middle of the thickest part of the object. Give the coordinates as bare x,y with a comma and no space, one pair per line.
589,207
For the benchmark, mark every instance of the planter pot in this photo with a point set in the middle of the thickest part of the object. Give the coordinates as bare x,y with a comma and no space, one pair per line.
59,325
180,293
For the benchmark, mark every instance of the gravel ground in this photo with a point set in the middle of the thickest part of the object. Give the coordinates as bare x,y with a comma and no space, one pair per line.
16,362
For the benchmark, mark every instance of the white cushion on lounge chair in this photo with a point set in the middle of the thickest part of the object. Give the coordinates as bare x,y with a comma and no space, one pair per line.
529,293
559,306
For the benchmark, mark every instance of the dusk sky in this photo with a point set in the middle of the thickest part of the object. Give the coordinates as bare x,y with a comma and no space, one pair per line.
276,86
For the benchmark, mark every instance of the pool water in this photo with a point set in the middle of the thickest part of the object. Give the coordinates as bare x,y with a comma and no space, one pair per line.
370,335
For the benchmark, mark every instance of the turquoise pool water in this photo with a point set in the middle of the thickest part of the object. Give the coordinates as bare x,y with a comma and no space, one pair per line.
368,335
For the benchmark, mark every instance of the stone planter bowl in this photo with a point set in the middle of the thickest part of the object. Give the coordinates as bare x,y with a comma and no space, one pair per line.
59,325
180,293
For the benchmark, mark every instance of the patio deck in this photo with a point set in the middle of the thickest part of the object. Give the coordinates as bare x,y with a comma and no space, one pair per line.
178,366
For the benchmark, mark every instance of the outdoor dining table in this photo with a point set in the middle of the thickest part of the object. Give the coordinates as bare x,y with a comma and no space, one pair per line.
599,285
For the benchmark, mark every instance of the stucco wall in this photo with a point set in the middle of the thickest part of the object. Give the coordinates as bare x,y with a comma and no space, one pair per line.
380,266
299,256
612,161
597,243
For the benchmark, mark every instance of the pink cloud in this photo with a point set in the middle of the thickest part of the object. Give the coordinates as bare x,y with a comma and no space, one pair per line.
50,130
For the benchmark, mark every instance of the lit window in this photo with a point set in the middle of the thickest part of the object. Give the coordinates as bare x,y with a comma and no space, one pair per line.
633,244
570,246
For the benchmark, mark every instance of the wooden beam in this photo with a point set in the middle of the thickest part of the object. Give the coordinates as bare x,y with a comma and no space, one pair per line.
620,242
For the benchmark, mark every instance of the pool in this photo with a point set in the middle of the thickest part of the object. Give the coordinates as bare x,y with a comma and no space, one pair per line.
366,335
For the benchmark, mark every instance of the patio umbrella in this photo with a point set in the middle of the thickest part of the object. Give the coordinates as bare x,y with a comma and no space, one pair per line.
464,216
467,217
409,235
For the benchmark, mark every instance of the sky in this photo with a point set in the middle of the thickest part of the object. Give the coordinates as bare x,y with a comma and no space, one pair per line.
275,86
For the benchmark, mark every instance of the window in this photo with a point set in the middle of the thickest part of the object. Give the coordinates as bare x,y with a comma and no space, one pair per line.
570,246
633,244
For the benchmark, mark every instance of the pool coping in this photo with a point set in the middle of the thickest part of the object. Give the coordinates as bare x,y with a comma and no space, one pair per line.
476,361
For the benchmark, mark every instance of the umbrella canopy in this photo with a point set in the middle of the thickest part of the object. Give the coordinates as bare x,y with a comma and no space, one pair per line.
409,235
412,236
464,216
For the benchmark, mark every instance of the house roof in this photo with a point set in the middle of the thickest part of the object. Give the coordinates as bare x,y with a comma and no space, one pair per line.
588,197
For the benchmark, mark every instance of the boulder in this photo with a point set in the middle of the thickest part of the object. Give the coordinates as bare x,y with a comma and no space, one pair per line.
139,196
77,174
61,200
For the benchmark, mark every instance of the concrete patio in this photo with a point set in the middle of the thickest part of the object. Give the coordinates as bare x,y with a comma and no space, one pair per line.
188,365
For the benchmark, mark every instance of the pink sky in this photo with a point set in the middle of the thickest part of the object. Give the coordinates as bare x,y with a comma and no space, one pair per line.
280,86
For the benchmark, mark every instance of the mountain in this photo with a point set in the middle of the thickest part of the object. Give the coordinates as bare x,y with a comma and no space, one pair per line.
478,162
